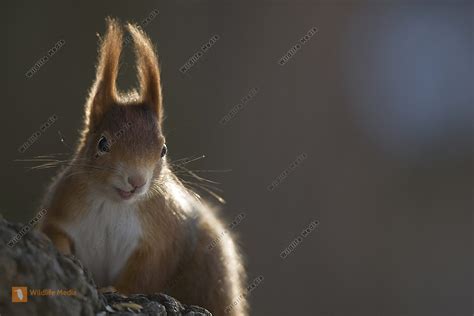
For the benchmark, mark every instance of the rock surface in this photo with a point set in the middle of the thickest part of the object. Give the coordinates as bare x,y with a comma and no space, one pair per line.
33,262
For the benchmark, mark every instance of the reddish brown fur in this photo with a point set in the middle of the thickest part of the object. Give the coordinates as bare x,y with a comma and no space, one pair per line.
178,227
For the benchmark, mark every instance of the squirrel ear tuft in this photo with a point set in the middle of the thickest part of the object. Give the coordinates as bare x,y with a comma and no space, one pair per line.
104,91
148,70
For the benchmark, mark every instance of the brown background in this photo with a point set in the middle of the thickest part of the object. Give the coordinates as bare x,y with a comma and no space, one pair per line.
380,100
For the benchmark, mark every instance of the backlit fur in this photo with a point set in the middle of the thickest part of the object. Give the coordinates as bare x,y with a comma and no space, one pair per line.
157,240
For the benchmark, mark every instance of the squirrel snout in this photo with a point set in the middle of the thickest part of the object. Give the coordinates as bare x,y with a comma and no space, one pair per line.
136,181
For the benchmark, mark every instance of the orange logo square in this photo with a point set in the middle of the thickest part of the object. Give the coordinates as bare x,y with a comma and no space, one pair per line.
19,294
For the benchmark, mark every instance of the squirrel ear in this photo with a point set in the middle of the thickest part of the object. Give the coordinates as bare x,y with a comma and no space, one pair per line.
148,70
104,91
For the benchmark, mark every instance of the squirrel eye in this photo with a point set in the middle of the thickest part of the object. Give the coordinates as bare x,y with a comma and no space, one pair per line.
164,150
103,144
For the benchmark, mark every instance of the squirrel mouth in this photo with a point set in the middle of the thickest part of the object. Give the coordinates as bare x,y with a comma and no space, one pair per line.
125,194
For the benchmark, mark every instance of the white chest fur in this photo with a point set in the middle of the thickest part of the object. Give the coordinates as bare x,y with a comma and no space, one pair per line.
105,237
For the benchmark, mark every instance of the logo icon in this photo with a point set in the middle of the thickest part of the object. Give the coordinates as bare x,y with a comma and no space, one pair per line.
19,294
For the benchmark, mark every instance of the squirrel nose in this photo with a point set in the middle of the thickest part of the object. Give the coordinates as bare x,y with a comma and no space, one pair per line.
136,181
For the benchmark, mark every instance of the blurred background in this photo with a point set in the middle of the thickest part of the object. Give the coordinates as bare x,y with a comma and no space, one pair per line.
379,101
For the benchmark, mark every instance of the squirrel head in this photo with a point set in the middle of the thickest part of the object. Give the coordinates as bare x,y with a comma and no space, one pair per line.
122,144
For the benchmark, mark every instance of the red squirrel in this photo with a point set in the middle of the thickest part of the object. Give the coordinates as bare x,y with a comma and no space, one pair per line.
121,210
